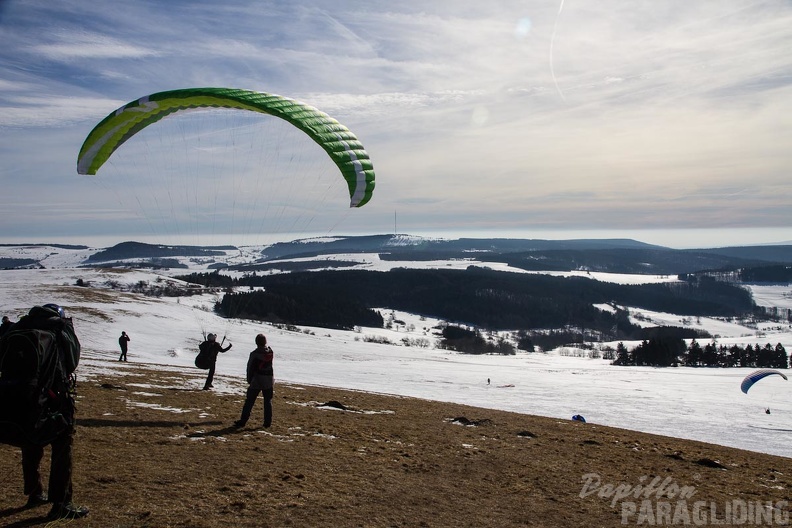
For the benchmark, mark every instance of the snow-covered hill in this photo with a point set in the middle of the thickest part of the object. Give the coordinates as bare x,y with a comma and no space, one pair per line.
701,404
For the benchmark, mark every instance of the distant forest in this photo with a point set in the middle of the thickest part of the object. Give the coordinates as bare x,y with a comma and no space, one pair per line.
665,349
667,352
775,274
477,297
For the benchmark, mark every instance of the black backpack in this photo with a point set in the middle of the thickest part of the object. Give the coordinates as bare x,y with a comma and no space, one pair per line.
36,386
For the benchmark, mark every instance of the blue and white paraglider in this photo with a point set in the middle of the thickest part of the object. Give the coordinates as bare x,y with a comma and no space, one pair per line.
755,376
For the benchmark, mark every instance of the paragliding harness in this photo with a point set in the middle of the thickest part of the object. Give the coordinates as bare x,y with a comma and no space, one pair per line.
204,358
37,382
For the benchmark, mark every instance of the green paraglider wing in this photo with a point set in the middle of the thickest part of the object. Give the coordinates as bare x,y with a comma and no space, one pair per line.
336,139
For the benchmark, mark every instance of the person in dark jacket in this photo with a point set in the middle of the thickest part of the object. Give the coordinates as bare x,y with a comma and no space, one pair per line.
5,325
261,379
122,342
52,317
213,348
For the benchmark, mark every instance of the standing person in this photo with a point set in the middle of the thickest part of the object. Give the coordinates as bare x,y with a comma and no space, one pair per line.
122,342
51,318
5,325
212,349
261,378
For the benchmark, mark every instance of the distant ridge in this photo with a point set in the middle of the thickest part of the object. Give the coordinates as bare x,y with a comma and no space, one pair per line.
614,255
780,253
407,243
38,244
137,250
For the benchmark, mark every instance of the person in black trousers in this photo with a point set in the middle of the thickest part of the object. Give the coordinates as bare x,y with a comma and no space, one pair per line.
261,378
213,348
52,317
122,342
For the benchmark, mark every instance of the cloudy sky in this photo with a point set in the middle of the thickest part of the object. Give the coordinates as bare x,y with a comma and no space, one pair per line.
496,117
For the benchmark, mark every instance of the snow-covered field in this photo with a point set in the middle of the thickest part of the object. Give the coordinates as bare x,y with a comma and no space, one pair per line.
700,404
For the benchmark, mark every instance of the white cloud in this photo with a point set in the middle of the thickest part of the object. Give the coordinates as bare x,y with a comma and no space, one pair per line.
34,111
68,47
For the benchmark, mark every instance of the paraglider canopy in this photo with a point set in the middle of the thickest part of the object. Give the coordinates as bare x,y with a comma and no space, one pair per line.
755,376
336,139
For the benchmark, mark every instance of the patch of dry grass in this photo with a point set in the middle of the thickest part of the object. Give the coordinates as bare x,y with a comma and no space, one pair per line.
383,461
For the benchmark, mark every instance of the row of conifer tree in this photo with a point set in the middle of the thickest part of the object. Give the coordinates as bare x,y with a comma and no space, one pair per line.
665,352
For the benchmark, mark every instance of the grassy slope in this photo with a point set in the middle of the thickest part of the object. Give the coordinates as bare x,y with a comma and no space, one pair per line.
386,461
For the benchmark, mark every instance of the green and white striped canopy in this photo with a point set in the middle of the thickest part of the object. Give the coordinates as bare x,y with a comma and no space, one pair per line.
336,139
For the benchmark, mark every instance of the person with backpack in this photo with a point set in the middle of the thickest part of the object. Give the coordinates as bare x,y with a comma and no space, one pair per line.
261,379
122,342
38,357
210,348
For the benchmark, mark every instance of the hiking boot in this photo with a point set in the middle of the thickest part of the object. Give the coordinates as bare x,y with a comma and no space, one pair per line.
239,423
67,510
37,499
